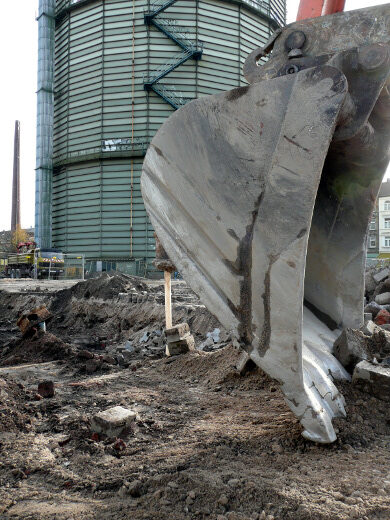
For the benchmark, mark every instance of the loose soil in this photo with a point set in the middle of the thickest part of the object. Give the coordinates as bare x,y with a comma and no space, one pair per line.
207,443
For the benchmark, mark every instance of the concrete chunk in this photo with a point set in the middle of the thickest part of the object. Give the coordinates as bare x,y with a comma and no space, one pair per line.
369,283
382,275
374,379
113,421
383,298
214,335
373,308
381,339
367,317
183,346
350,348
369,328
177,333
242,362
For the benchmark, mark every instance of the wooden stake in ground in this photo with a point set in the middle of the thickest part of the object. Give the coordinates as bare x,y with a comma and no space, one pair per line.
168,300
163,263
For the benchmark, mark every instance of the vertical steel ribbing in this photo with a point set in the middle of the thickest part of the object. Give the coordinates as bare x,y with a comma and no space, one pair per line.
102,122
45,105
132,129
97,205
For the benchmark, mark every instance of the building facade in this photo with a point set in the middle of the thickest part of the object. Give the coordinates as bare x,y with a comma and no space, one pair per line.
378,235
373,235
121,67
383,205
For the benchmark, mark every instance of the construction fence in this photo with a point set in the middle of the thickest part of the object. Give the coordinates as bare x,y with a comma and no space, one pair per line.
80,267
72,266
131,266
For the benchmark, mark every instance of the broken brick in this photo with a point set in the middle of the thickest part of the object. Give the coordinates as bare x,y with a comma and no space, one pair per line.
46,389
119,445
382,317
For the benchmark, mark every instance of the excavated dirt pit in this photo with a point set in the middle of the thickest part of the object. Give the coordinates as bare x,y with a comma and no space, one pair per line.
207,443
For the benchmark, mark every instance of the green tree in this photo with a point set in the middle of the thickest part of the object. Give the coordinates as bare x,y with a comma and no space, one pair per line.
20,235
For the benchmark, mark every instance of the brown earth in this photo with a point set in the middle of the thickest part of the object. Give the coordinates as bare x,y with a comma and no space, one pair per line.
207,443
38,349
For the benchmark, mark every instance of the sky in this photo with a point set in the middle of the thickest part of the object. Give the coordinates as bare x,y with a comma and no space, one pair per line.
18,97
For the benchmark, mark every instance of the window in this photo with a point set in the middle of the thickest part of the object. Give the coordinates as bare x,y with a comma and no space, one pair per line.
372,224
387,223
387,205
372,242
387,241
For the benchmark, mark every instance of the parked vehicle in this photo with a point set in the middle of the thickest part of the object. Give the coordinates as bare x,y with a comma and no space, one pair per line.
30,261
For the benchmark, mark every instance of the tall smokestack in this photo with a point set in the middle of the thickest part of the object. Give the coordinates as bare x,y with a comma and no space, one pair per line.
45,114
15,217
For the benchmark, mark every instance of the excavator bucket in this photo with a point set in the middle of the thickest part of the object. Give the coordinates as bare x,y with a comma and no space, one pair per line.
262,196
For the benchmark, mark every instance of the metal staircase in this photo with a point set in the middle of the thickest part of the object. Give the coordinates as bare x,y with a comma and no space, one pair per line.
190,49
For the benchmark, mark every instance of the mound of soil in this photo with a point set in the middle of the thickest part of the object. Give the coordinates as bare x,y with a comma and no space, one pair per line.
105,287
216,369
368,418
117,321
39,349
13,412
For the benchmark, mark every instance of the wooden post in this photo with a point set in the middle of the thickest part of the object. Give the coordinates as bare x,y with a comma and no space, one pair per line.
168,301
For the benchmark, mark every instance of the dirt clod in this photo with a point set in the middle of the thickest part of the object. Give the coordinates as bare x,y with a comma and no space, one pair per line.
46,389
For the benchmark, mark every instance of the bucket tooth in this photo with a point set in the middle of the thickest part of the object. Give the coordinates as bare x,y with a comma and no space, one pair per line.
261,197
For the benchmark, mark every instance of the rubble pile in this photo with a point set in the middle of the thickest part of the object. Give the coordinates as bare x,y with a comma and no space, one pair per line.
119,308
365,353
110,320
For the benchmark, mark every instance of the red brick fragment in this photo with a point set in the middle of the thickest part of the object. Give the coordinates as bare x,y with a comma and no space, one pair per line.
119,445
382,317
